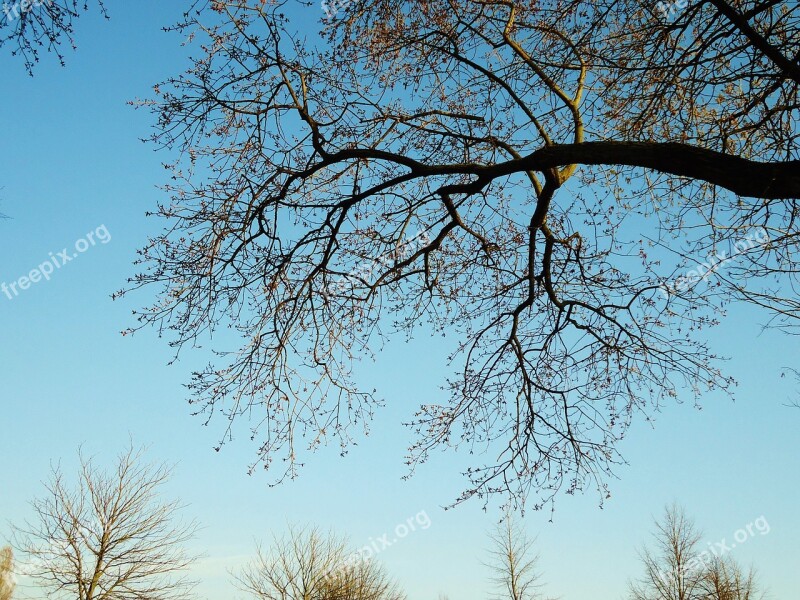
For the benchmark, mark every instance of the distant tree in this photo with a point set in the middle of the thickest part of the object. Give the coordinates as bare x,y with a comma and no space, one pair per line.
726,580
109,537
513,563
7,581
365,580
309,565
673,569
676,569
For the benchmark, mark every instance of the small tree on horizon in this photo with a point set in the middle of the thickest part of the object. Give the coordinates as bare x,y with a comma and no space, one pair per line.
677,569
109,537
307,564
671,567
514,563
726,580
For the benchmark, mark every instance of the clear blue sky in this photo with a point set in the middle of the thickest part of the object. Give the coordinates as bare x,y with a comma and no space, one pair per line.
71,162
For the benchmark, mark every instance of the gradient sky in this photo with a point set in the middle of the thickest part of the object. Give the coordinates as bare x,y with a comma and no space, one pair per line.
71,161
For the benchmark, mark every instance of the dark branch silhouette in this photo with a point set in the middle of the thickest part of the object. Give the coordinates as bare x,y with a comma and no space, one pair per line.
572,190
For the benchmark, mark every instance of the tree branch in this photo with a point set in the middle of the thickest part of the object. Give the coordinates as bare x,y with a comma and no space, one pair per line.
770,181
790,69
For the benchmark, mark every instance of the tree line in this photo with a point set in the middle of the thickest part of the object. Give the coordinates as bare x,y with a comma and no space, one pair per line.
110,536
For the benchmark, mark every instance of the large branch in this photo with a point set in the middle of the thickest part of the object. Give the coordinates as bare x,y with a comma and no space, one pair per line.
772,181
744,177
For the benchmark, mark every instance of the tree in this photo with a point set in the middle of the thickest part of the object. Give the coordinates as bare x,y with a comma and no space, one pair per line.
109,537
523,174
725,580
573,188
7,581
513,563
308,565
673,570
676,569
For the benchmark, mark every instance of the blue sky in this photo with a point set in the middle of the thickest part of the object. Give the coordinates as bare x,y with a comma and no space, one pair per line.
71,161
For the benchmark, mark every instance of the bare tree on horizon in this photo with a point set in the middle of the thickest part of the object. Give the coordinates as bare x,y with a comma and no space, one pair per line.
307,564
108,537
514,562
676,568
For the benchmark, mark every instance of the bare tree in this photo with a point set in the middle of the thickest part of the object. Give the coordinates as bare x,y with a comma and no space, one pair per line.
309,565
563,184
673,569
7,580
726,580
573,188
514,563
109,537
365,580
677,569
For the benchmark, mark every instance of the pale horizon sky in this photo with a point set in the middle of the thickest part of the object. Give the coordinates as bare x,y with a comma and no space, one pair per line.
72,163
